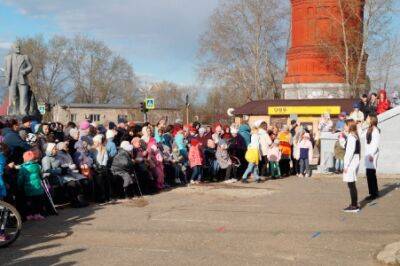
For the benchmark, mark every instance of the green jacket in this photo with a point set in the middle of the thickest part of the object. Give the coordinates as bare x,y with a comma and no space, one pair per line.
29,178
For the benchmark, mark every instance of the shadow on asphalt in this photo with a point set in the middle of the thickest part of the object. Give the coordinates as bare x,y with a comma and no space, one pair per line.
36,237
387,188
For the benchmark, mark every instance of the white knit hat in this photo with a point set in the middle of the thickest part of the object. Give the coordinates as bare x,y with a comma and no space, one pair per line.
110,134
98,138
74,133
49,147
61,146
258,123
125,145
234,129
202,130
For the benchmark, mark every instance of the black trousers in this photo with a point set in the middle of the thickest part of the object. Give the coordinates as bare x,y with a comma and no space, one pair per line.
35,205
284,165
101,185
353,193
263,166
372,182
230,172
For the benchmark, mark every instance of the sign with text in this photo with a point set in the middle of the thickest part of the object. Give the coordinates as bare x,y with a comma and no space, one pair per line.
303,110
150,103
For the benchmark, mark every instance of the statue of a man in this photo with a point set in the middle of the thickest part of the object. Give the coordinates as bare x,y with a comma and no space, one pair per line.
17,68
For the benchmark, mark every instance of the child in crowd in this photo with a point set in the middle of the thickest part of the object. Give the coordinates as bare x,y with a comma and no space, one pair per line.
253,157
306,154
177,163
285,144
274,156
29,179
339,153
225,162
196,161
210,161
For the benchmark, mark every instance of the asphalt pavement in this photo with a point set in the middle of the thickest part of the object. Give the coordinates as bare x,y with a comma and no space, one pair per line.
292,221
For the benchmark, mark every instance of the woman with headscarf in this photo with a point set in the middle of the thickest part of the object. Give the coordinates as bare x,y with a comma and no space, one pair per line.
156,162
123,171
82,157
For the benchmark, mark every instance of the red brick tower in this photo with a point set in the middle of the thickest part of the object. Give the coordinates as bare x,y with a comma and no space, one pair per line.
316,61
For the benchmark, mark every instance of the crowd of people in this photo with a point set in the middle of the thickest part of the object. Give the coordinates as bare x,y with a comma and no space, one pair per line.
116,162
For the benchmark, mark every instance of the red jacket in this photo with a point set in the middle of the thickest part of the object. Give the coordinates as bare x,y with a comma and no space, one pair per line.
383,103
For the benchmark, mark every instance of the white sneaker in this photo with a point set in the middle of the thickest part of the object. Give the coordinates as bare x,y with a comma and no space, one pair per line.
177,181
298,175
307,175
192,182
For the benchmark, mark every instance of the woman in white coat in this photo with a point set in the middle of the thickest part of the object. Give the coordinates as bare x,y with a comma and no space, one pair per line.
351,164
371,156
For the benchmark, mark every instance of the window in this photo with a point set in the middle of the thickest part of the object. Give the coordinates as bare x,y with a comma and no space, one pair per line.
72,118
94,117
122,117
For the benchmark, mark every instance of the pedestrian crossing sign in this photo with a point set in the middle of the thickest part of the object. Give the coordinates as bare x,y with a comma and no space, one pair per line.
42,109
150,103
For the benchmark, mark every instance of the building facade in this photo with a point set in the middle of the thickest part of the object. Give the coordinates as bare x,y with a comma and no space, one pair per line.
103,113
317,63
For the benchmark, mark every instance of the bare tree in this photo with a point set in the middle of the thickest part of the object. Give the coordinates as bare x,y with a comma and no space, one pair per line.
358,29
99,76
243,49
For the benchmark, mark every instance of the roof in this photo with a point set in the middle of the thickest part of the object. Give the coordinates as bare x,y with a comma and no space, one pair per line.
261,107
108,106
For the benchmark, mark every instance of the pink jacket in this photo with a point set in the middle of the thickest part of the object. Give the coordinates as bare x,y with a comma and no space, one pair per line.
195,156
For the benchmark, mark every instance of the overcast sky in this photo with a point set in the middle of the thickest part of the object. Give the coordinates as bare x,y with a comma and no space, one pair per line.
159,37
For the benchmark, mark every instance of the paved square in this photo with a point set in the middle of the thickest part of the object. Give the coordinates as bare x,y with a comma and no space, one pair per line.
286,222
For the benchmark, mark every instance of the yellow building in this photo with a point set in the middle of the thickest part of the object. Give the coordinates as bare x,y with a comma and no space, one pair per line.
306,112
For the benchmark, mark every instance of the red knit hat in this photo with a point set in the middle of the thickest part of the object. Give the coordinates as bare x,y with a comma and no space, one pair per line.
29,156
194,142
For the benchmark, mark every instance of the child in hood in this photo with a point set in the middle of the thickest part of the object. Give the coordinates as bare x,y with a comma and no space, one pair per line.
306,153
225,162
155,158
179,167
29,179
274,156
195,160
383,102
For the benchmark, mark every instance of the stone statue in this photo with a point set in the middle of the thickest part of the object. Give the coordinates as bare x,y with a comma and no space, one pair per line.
21,99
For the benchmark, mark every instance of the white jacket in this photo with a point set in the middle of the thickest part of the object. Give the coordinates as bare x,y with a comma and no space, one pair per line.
265,141
351,160
372,149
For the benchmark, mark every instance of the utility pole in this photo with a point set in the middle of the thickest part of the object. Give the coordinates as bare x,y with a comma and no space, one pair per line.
187,109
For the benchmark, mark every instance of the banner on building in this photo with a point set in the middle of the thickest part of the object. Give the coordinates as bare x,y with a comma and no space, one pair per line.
303,110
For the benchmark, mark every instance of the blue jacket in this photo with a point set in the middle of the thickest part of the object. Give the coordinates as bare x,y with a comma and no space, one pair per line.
3,190
13,140
180,141
244,132
111,148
